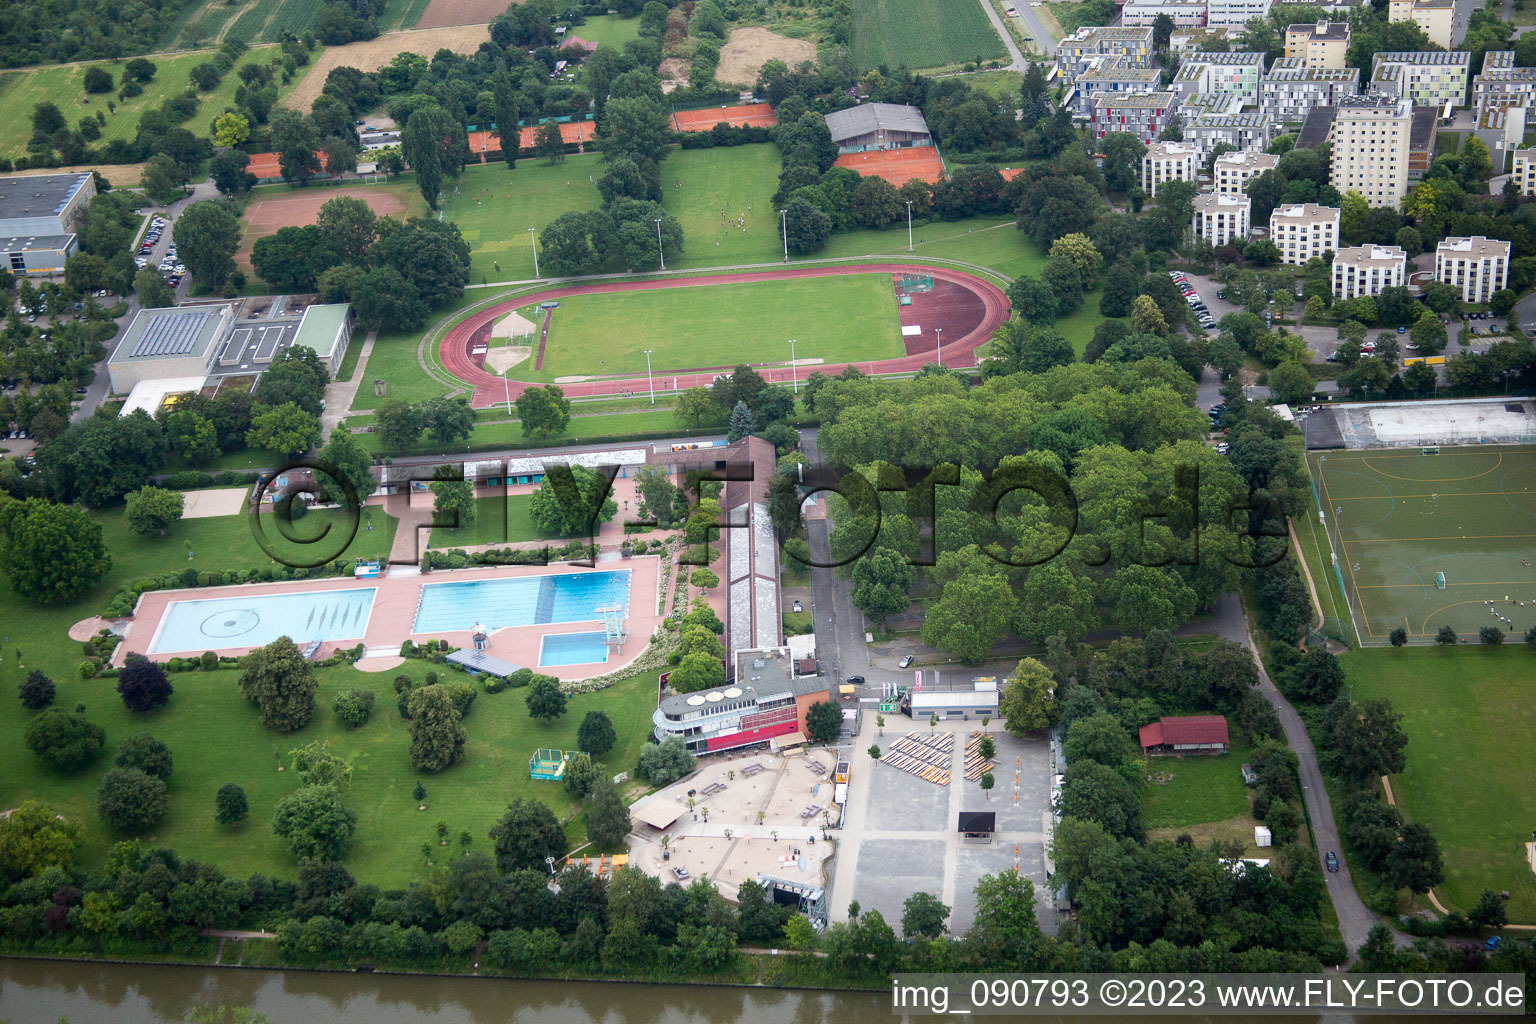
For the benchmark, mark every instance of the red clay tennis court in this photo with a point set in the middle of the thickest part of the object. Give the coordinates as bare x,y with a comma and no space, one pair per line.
265,217
897,166
753,115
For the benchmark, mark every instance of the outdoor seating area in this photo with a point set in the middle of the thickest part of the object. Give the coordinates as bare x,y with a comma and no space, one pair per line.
927,756
975,765
681,874
817,767
752,769
810,812
713,788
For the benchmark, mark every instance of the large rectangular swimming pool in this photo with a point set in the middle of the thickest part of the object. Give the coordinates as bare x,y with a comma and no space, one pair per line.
520,601
258,619
573,649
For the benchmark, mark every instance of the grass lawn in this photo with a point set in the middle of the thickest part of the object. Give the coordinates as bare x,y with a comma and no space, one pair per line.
921,34
1470,777
497,206
510,433
503,519
987,241
1201,790
1079,327
608,29
835,318
741,181
22,90
1001,85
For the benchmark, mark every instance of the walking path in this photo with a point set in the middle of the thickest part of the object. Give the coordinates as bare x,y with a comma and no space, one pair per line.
340,393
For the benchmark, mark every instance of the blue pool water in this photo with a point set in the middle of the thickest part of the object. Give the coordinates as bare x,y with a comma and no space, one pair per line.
573,649
520,601
257,620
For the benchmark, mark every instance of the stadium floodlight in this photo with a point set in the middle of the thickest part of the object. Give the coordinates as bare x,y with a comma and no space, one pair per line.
794,383
648,380
533,241
909,226
660,251
938,345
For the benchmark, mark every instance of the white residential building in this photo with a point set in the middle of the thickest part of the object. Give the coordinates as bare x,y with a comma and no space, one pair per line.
1524,172
1291,90
1168,161
1503,85
1234,14
1221,74
1233,171
1184,13
1246,133
1220,218
1476,266
1436,17
1367,269
1424,78
1304,230
1370,149
1320,45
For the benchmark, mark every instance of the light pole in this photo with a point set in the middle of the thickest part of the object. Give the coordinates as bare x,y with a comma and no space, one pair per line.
507,389
651,383
550,862
909,226
533,240
938,344
784,230
659,250
794,382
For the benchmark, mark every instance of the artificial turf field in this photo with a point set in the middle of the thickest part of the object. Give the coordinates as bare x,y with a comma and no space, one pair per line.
836,319
1398,517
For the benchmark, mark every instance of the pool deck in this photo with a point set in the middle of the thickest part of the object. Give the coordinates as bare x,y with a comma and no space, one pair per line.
394,613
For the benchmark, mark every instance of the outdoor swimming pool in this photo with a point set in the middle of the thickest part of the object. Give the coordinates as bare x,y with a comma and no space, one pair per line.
573,649
256,620
520,601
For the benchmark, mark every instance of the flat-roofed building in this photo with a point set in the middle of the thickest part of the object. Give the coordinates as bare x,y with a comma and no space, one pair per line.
1367,269
1524,171
1290,90
1319,45
766,701
1436,17
1246,133
177,342
1502,85
1234,14
1422,77
877,126
1370,148
1222,74
1187,40
1221,218
1168,161
1109,76
1145,116
1134,44
1185,13
1232,172
1303,230
1476,266
37,220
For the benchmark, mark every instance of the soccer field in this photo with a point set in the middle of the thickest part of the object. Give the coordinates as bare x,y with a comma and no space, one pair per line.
1398,518
835,319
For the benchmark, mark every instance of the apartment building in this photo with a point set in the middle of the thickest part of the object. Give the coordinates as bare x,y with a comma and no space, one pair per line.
1370,148
1367,269
1168,161
1185,13
1220,218
1232,171
1221,74
1304,230
1524,172
1320,45
1246,133
1110,75
1423,78
1476,266
1074,52
1189,40
1502,85
1234,14
1340,8
1145,116
1436,17
1290,89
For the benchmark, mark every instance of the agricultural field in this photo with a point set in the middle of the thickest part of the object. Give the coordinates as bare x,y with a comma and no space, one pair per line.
921,34
375,53
23,90
1470,777
211,22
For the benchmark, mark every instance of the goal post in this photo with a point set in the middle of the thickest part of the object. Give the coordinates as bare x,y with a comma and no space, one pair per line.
1439,581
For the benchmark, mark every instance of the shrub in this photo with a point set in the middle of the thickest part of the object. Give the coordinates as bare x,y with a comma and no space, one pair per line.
143,685
37,690
65,741
229,805
131,800
354,708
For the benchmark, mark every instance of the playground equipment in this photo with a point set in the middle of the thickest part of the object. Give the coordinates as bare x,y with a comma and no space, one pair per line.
548,764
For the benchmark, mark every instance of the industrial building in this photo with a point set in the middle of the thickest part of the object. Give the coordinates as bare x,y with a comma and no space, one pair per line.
875,126
766,703
37,218
972,698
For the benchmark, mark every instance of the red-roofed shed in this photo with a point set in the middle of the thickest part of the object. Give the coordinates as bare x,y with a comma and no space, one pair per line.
1193,734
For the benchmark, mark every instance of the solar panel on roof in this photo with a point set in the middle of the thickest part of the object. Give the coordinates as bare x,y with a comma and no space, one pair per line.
167,334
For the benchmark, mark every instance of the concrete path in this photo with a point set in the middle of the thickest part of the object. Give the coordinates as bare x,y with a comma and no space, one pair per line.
339,394
1016,58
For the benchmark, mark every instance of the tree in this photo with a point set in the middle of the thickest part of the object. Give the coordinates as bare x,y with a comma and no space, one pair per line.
434,144
697,671
806,227
544,412
607,815
1122,160
65,741
696,407
924,915
1368,739
437,734
824,722
36,691
153,510
1427,334
1096,792
151,290
703,579
281,681
595,735
453,501
573,502
34,837
51,553
1317,678
163,179
545,700
1098,737
229,805
526,835
147,754
284,428
665,762
295,140
350,465
315,823
1076,248
1415,863
130,800
741,424
207,235
1398,636
548,144
1446,636
398,424
1028,703
1490,911
973,612
882,582
383,296
229,174
1490,636
579,776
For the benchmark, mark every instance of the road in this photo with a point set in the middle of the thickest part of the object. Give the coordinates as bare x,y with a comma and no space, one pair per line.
1016,58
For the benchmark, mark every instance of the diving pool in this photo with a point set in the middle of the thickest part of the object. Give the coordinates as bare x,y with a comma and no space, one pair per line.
520,601
573,649
256,620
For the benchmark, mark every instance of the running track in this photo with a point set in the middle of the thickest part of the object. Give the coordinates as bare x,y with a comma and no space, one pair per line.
489,389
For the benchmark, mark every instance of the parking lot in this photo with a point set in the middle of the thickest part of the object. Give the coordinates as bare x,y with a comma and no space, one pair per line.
170,266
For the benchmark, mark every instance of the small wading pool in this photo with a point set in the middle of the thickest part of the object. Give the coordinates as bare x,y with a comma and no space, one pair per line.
255,621
573,649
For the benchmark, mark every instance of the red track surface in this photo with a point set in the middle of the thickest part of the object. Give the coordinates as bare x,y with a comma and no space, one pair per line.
957,351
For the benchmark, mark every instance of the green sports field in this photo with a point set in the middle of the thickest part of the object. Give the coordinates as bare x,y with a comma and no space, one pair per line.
922,33
609,30
495,208
1470,777
836,319
1397,518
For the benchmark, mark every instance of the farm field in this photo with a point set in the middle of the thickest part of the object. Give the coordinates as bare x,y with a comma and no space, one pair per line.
22,90
748,49
1470,775
1199,790
399,14
922,35
836,319
213,21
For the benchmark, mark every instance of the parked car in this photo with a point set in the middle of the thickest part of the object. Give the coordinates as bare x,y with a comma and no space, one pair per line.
905,661
1332,860
1223,448
1493,942
854,680
1401,329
